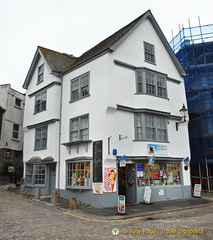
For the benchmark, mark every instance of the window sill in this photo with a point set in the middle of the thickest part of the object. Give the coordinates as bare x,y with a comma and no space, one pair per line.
78,188
75,100
15,139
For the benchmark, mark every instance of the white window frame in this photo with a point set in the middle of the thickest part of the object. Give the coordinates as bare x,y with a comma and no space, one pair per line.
79,128
15,131
79,87
151,127
78,174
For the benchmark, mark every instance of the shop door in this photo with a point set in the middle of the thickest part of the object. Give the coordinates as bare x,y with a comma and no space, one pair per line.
130,183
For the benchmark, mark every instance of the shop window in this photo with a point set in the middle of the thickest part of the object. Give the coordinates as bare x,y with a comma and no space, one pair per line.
158,174
78,174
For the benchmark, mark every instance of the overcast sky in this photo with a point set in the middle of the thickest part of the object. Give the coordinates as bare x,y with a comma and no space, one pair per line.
74,26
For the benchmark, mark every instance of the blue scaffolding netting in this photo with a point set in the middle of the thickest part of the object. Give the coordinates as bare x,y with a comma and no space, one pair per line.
194,49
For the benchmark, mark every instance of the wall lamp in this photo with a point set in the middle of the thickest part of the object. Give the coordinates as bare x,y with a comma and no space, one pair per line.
184,113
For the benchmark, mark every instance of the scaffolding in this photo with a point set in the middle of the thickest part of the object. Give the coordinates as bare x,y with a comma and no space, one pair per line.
193,47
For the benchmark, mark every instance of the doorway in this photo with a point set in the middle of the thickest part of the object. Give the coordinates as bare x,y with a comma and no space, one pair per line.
126,182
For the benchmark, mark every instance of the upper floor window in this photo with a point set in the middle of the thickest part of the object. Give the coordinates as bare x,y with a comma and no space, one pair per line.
40,102
18,102
80,87
41,138
150,127
151,83
40,73
149,52
15,131
79,128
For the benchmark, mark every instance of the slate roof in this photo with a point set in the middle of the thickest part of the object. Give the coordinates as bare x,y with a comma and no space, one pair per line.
63,63
106,44
57,61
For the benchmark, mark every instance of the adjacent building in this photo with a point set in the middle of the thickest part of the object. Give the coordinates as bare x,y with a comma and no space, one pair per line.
108,123
11,125
193,47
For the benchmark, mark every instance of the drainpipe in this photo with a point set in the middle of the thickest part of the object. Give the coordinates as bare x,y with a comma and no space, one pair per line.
59,135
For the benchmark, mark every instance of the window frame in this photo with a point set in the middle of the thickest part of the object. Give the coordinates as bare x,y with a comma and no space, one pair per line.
42,140
145,127
31,173
15,131
76,132
40,102
149,53
151,83
160,174
18,102
81,90
40,77
85,179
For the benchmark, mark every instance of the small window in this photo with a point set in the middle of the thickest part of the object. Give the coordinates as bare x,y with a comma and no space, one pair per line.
78,174
17,102
149,53
41,138
80,87
79,128
35,174
40,73
15,131
40,102
150,127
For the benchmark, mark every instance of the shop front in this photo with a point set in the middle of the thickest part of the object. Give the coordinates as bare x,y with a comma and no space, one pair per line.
164,176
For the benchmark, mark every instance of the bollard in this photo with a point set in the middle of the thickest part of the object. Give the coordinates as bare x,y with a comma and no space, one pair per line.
37,193
22,190
72,203
54,197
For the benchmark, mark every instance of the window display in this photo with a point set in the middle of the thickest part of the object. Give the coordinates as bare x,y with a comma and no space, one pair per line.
78,174
158,174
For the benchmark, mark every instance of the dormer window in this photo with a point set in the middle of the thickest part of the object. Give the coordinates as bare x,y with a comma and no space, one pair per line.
149,52
40,73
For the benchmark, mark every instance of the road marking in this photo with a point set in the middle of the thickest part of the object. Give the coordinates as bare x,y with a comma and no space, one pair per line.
208,198
100,220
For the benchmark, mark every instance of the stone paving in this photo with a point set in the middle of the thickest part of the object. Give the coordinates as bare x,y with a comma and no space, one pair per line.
22,218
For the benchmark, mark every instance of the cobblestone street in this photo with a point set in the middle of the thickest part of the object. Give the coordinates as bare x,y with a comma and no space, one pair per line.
23,218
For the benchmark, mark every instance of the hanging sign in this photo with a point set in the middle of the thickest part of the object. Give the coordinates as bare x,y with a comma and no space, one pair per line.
151,161
122,161
121,204
197,190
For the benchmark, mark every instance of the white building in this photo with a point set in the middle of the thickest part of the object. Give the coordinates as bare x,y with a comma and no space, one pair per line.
120,98
11,125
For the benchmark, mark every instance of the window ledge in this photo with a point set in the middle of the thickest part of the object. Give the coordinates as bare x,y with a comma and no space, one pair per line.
76,145
75,100
15,139
80,189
